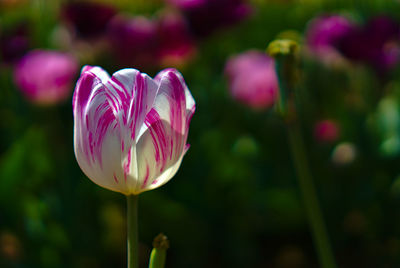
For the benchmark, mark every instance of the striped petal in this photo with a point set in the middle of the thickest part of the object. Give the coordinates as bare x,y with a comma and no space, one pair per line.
96,132
163,144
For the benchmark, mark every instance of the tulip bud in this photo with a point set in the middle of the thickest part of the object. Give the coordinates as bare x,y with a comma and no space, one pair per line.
159,252
285,52
130,130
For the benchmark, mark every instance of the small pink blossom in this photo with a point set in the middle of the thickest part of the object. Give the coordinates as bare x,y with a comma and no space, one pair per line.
45,77
326,131
252,79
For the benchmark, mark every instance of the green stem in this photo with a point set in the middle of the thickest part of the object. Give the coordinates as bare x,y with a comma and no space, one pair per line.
157,258
133,241
286,57
311,203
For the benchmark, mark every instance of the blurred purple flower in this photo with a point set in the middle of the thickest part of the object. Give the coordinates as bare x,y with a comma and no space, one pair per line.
206,16
252,79
175,42
134,40
324,33
45,77
14,43
375,43
88,19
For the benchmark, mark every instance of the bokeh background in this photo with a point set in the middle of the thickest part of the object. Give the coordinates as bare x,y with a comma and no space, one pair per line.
235,201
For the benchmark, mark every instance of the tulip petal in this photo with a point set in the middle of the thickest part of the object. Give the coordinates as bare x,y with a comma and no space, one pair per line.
159,149
162,145
97,137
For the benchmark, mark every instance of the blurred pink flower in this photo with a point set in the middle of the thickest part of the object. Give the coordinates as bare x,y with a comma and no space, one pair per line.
326,131
252,79
45,77
324,33
130,130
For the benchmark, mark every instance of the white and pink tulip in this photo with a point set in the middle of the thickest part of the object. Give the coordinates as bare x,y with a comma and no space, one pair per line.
130,130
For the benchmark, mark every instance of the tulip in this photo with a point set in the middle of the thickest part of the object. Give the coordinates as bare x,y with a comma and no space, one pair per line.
130,130
45,77
252,79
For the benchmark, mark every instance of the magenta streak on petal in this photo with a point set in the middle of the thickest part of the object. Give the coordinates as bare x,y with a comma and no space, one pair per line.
103,123
159,138
146,177
127,164
137,105
112,101
101,119
115,178
122,146
87,121
177,103
81,95
123,97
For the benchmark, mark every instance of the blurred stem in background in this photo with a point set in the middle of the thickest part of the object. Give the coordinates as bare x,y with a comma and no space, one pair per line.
159,252
285,54
133,240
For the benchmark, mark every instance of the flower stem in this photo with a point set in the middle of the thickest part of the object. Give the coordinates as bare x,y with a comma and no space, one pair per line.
286,54
133,241
308,191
